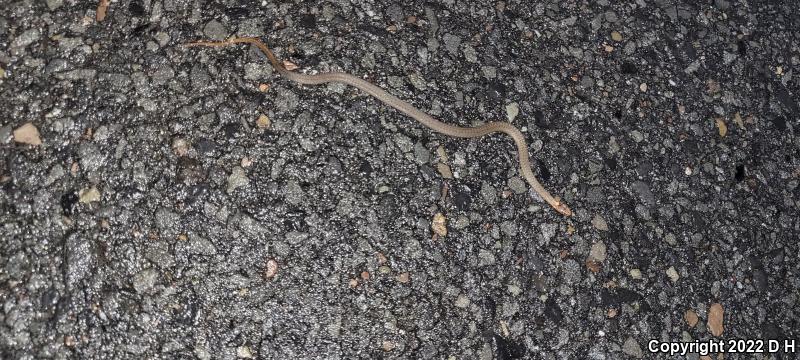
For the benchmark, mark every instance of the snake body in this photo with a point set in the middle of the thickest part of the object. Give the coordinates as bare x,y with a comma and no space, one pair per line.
408,109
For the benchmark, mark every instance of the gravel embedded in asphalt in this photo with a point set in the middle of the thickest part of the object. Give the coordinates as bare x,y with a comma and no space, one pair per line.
160,201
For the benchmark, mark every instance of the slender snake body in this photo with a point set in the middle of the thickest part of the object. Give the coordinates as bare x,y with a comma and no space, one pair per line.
408,109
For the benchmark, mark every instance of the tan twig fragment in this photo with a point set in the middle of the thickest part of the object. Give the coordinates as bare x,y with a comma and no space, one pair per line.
102,9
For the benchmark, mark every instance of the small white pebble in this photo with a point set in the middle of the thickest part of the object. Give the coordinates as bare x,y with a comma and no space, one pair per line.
512,110
272,269
673,274
635,274
243,352
89,195
27,134
462,301
514,290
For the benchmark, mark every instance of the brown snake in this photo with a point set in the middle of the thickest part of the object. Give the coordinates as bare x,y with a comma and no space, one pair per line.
408,109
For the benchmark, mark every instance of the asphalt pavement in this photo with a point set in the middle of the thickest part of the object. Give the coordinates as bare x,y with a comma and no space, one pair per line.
160,201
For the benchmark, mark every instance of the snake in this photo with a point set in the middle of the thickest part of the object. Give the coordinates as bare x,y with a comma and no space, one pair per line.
405,108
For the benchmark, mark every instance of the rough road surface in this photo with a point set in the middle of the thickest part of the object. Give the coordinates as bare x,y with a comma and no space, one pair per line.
168,202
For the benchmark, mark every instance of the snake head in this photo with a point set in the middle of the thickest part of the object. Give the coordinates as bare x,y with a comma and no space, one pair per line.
562,208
